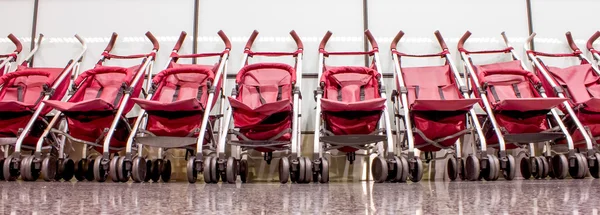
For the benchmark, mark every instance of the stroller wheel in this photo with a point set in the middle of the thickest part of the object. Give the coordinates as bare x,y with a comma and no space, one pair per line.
49,169
207,172
192,173
89,172
155,172
123,173
231,170
539,168
525,167
461,169
165,171
243,170
452,168
80,170
405,169
510,169
66,169
214,170
138,169
560,166
10,172
113,170
417,172
2,169
325,170
472,168
284,170
100,172
148,171
578,171
546,167
595,170
308,170
379,169
491,173
301,170
28,171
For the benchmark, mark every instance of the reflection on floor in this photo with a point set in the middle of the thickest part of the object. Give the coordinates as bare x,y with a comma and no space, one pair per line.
500,197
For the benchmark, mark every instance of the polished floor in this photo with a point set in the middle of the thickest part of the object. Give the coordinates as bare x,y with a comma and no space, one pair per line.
501,197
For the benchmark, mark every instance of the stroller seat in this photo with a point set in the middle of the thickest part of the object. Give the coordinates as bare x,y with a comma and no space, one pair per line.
263,105
436,104
519,108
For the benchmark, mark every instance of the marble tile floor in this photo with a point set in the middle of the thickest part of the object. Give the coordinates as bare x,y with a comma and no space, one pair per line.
500,197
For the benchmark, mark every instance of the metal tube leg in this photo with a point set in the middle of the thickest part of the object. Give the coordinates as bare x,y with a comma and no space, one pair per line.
532,149
317,144
224,133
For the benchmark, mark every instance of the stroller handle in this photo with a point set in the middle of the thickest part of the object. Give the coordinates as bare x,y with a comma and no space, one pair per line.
111,43
324,40
251,40
15,40
463,39
571,41
527,44
590,42
225,39
153,40
440,39
179,41
396,39
371,39
297,40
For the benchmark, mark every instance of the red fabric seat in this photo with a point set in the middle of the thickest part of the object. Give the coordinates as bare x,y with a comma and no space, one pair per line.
263,105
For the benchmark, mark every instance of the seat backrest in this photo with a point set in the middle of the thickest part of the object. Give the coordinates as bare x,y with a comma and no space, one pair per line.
350,83
580,82
430,83
104,83
28,88
265,84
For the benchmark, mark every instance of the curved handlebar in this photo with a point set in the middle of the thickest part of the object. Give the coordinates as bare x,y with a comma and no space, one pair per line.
590,42
15,40
297,40
440,39
396,40
225,39
571,41
251,40
371,39
80,40
463,39
527,44
179,41
325,39
111,43
153,40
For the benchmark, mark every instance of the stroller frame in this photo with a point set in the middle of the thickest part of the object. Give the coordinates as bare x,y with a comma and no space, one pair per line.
7,60
324,140
138,136
578,163
30,166
406,141
540,166
291,164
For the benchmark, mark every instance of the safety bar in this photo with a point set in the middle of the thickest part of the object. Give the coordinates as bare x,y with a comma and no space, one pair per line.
15,40
367,34
295,36
592,39
113,40
439,37
576,51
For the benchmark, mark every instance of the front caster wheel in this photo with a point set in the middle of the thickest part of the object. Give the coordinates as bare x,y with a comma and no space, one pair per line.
66,169
81,169
452,168
9,169
49,169
511,168
417,172
243,170
379,169
231,170
492,170
138,169
165,171
560,166
113,172
28,170
526,167
155,170
100,171
284,170
472,168
192,173
324,174
122,172
579,170
308,170
211,173
595,169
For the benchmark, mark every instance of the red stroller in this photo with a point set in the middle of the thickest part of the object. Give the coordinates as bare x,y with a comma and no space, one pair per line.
178,108
95,114
265,108
517,116
6,60
23,95
436,110
352,102
579,84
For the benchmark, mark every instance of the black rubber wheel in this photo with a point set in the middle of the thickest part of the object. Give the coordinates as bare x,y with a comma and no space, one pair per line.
214,170
192,173
379,169
67,169
81,169
511,168
100,173
284,169
49,169
294,175
538,165
324,174
155,172
148,171
416,173
301,170
122,170
10,173
560,166
526,167
165,171
452,168
595,170
113,171
138,169
461,169
2,169
231,170
547,169
243,170
206,172
550,167
396,174
89,173
308,170
493,168
405,169
579,170
28,171
497,167
472,168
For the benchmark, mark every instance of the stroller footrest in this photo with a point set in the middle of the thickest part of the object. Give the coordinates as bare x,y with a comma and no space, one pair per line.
353,139
533,137
167,142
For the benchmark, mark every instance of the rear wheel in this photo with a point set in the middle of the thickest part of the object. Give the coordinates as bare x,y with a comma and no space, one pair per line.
155,172
165,171
308,171
525,167
560,166
324,171
231,170
67,169
192,173
100,172
243,170
452,168
472,168
379,169
579,170
138,169
284,170
49,169
595,169
417,172
511,168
